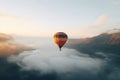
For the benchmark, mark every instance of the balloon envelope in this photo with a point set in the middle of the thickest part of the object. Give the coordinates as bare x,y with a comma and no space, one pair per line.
60,39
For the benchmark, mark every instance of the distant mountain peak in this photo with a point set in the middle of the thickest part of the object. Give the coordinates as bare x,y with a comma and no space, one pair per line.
113,31
5,37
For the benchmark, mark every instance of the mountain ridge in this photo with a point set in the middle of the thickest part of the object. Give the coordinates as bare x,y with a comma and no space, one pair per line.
8,46
109,43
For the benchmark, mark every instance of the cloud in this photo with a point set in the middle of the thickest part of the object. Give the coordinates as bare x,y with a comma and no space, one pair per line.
99,26
47,61
67,64
100,20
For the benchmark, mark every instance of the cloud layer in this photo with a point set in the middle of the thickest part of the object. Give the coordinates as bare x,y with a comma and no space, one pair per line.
67,64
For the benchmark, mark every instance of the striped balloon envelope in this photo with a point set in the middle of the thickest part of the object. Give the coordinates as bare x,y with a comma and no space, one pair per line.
60,39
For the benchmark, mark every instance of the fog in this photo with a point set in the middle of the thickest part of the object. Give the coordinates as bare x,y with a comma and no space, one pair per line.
47,59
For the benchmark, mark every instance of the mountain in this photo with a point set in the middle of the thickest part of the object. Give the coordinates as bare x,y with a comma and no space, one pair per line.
110,37
108,42
5,37
8,46
113,31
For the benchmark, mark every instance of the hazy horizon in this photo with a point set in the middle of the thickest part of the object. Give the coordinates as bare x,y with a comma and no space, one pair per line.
77,18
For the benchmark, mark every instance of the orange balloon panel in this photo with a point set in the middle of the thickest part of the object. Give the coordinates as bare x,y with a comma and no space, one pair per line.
60,41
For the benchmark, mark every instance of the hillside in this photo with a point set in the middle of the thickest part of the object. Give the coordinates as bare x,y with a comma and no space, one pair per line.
105,42
5,37
9,47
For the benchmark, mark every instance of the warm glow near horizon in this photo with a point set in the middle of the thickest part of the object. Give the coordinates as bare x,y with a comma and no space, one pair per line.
41,18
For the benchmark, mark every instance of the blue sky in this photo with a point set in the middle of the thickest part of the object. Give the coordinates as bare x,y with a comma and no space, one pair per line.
78,18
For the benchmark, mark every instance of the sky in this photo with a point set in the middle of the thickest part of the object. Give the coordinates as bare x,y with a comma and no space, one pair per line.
43,18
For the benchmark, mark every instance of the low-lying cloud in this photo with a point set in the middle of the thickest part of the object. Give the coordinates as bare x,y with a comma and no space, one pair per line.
48,60
67,64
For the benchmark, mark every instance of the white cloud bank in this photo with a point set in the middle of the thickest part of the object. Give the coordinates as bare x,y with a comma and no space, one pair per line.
47,59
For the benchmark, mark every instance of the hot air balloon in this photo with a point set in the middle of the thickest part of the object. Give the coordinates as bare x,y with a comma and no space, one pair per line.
60,39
